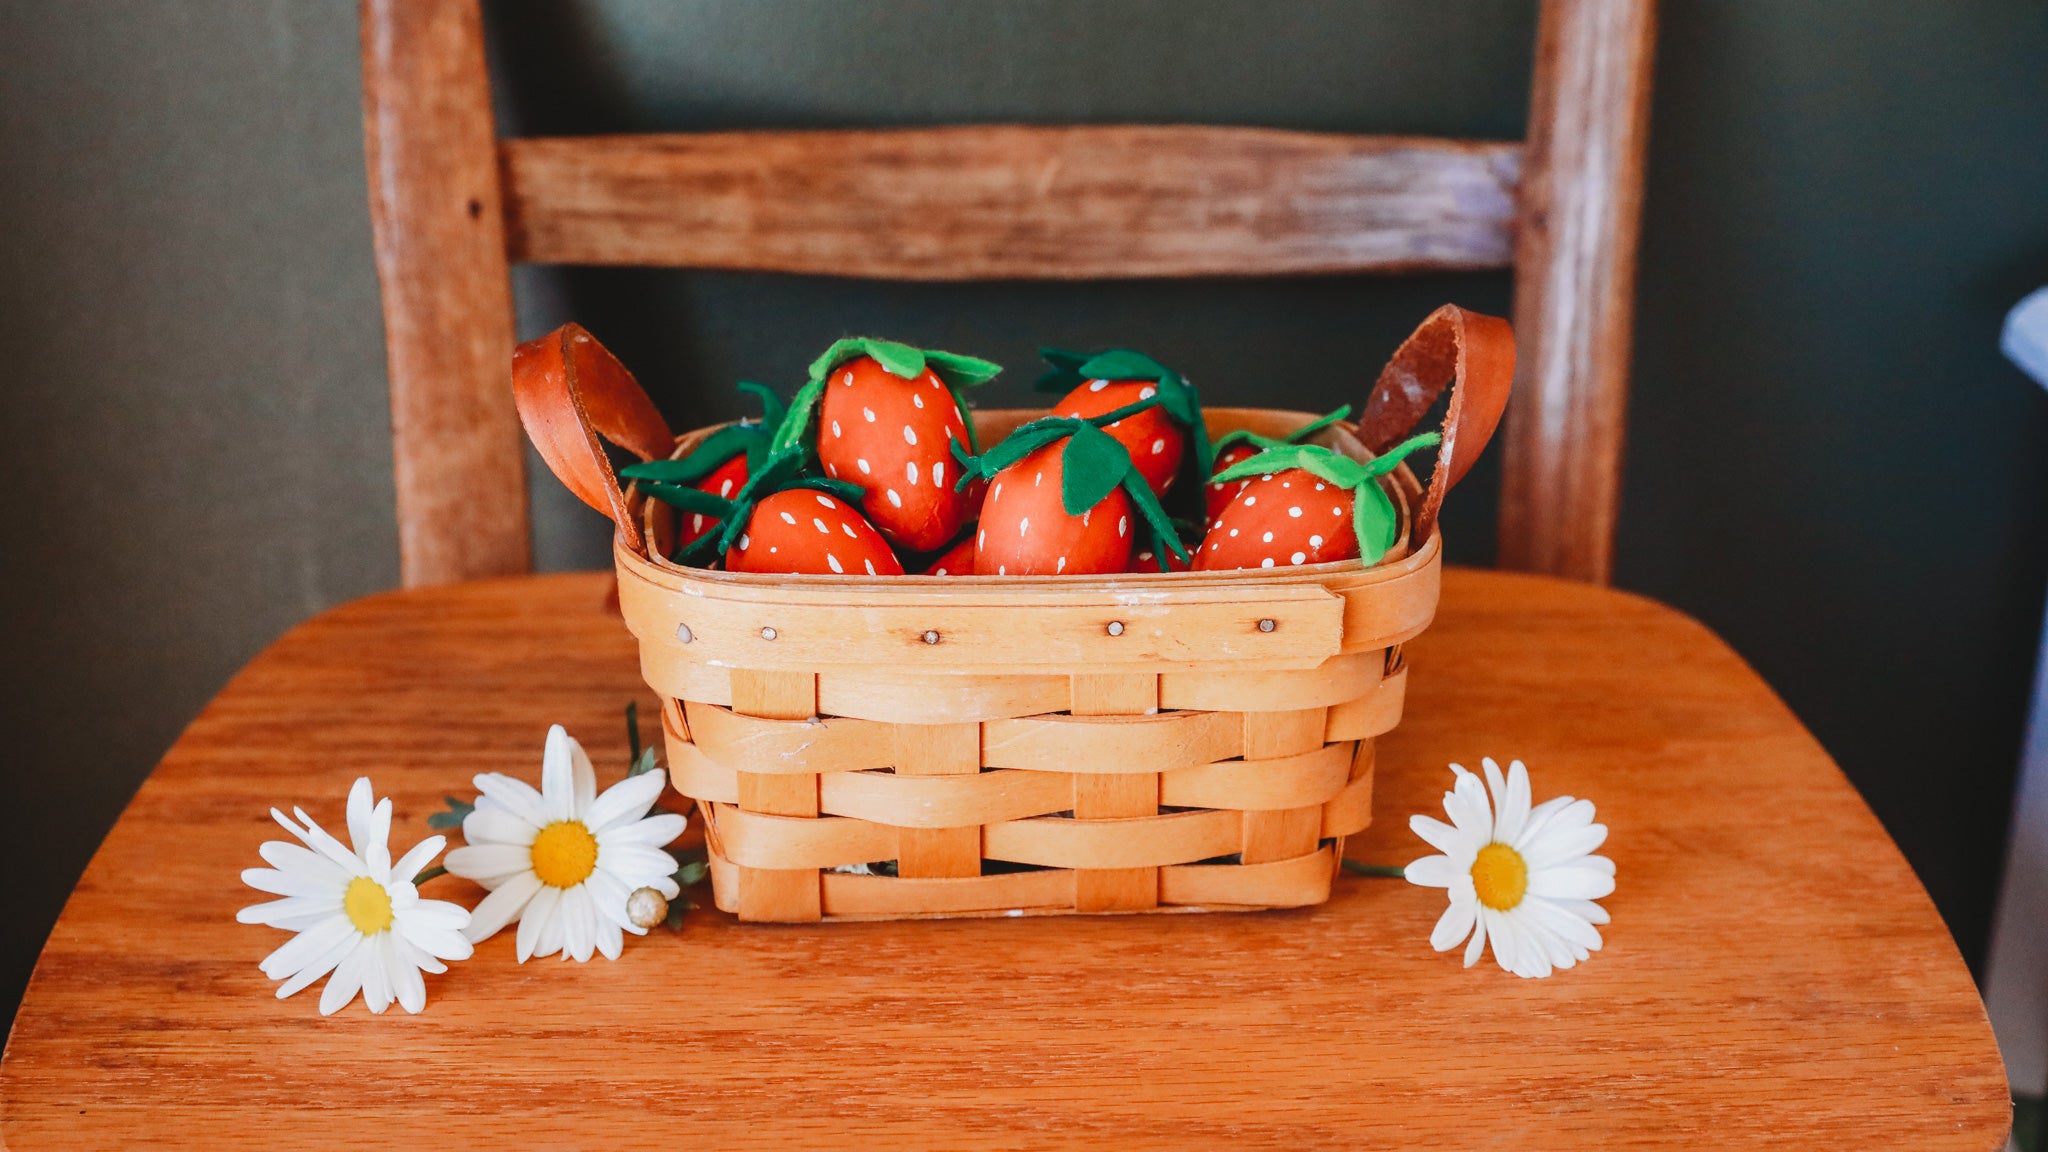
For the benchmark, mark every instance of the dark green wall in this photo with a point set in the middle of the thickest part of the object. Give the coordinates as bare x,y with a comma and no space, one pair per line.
1829,462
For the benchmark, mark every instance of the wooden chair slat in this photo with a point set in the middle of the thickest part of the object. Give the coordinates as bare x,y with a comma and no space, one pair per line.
1014,202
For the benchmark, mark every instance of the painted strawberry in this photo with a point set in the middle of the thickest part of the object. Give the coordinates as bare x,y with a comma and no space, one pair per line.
888,417
1119,381
810,531
1064,498
955,561
1305,504
719,464
1234,448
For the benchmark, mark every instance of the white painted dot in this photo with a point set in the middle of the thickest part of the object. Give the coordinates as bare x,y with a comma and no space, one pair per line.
772,549
1233,531
1267,476
847,379
696,522
725,489
1122,522
998,490
744,541
788,519
981,538
832,470
1250,500
1085,516
1298,557
1114,424
1319,487
826,501
909,434
864,469
1023,525
894,499
1295,511
917,400
1002,569
848,529
1147,392
871,567
1266,563
834,562
1036,477
1097,385
821,526
910,472
1315,541
1062,566
1158,446
835,429
869,413
1336,511
938,473
1269,538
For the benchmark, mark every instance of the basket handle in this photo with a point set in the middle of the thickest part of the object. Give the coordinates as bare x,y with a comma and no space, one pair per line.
1470,353
570,390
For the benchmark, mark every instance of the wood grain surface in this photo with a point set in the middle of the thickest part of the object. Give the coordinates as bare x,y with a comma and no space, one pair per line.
1014,202
1774,976
1575,274
438,219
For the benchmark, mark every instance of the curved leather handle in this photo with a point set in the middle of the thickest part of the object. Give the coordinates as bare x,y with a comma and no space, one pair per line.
570,390
1470,353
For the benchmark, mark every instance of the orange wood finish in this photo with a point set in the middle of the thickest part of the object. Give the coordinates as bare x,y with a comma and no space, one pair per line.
1575,265
997,202
1009,202
435,209
1774,975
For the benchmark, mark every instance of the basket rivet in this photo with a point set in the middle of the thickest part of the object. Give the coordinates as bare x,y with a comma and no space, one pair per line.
1116,627
767,633
684,634
931,636
1267,625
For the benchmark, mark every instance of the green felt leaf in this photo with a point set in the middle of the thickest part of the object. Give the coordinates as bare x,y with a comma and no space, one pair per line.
1231,440
846,490
1025,440
1391,459
772,408
1123,364
790,433
967,418
1155,516
689,499
1275,459
896,359
1373,519
1318,424
1065,373
458,810
709,454
960,371
1093,465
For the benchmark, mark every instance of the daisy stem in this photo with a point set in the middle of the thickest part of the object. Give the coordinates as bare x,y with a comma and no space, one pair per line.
427,874
1390,871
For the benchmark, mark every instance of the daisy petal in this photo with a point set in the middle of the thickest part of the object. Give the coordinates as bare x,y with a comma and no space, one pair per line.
405,978
347,979
409,865
377,853
1454,925
499,908
1468,808
438,914
281,883
1560,845
653,832
610,939
515,796
316,838
415,955
1539,819
489,864
535,921
296,953
1444,838
558,775
1476,946
585,780
293,913
1434,872
360,802
608,895
629,799
1567,925
299,860
319,966
377,973
634,864
1571,882
579,925
1511,807
494,823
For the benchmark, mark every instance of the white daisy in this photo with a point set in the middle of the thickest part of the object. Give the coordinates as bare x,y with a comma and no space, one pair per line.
564,860
1524,878
356,913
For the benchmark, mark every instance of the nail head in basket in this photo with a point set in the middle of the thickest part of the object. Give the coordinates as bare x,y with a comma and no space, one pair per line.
1018,746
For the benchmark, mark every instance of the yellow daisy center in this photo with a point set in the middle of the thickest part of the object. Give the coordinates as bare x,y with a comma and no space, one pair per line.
1500,876
564,854
367,905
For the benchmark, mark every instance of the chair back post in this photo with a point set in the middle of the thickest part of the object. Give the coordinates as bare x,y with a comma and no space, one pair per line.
1575,264
437,212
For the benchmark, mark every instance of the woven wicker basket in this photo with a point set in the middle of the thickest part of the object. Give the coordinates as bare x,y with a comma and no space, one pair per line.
1019,746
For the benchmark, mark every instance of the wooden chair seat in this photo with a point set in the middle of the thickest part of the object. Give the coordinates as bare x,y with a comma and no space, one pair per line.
1774,975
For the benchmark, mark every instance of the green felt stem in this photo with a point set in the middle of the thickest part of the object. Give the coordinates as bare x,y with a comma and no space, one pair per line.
1231,440
1155,516
689,499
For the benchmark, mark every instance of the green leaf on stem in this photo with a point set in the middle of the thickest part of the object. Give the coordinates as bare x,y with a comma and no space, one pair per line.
960,371
458,810
1093,465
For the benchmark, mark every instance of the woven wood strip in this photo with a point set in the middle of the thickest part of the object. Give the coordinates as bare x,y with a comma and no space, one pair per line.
756,840
1279,884
947,801
1286,782
1376,713
700,777
846,894
1351,809
937,698
1336,680
822,744
1138,842
1110,744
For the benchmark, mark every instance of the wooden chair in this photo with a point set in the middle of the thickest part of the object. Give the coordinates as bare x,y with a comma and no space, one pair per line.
454,206
1774,974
